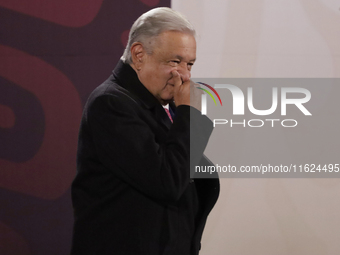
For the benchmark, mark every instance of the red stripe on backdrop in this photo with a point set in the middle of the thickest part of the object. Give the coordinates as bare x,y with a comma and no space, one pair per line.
12,242
7,117
50,172
150,3
71,13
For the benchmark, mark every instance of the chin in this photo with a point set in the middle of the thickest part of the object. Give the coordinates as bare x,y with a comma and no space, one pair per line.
166,101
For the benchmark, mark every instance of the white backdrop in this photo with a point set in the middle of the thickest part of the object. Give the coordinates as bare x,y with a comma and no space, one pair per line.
269,38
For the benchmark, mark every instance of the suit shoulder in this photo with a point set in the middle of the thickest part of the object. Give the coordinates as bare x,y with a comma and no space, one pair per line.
110,91
108,87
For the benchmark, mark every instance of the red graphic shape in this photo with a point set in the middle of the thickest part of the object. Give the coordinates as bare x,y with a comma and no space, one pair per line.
50,172
11,242
71,13
150,3
7,117
124,37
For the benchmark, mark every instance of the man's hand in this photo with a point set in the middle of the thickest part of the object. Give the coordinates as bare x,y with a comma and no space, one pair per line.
186,93
195,95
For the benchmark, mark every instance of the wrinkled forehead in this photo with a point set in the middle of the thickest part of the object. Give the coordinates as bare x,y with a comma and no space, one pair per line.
174,41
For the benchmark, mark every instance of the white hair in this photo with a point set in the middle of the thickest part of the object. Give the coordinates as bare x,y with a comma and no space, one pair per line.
152,23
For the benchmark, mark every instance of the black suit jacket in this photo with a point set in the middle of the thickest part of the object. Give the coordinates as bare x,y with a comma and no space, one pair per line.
133,194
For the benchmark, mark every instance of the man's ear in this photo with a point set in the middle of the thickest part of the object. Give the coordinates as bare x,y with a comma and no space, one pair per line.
137,55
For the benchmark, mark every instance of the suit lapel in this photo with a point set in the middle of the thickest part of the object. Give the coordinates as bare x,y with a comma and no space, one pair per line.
128,79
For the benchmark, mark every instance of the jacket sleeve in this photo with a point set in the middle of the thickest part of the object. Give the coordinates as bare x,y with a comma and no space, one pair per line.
126,145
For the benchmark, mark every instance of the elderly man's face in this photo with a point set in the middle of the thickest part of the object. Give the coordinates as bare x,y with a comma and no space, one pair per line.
172,51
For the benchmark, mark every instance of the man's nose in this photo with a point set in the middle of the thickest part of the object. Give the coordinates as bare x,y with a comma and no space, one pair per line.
184,73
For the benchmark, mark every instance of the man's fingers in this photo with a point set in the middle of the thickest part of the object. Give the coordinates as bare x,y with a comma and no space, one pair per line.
195,95
194,90
181,91
194,86
177,78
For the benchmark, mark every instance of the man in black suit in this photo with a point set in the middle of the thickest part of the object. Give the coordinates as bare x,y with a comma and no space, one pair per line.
133,193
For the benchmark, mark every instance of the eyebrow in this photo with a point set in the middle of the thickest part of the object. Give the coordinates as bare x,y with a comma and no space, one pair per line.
181,58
